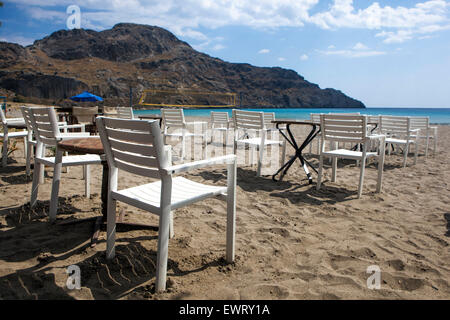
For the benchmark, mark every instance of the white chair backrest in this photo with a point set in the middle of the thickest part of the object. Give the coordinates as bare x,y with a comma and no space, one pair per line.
268,118
45,125
248,119
343,128
422,123
219,117
85,114
26,112
2,116
173,117
135,146
125,112
373,119
395,125
315,117
346,113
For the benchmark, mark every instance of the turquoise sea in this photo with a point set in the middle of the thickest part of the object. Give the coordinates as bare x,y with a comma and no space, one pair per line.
437,115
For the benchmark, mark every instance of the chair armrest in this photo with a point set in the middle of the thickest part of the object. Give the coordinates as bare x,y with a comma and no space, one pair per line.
15,119
74,135
199,164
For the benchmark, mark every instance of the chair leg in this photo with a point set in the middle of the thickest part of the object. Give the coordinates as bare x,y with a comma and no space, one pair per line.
361,177
416,151
334,169
163,235
28,156
380,168
87,180
42,171
405,154
283,153
171,230
25,147
435,137
35,184
183,147
319,178
205,145
55,185
111,229
260,160
231,211
5,150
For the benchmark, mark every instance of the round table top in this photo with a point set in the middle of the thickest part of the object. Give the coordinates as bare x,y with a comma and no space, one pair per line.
83,145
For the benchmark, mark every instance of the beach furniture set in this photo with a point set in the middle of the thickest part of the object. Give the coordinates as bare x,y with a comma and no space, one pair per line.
139,147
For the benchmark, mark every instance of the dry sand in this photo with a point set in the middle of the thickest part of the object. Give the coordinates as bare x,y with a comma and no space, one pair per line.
292,241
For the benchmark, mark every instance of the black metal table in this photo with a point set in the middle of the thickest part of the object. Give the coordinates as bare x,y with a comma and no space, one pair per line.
315,129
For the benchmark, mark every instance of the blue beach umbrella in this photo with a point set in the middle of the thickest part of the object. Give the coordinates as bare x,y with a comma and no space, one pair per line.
86,96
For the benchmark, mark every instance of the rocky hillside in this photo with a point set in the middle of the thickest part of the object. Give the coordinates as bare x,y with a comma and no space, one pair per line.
110,62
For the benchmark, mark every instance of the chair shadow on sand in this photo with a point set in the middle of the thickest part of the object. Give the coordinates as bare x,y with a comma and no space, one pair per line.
29,236
283,189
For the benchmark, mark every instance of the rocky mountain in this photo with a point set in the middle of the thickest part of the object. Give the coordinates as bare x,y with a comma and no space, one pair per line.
138,57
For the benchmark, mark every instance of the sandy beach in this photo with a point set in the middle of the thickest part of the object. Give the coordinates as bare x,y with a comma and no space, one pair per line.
292,241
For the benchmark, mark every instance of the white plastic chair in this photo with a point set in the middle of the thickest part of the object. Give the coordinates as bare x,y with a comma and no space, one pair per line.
398,131
31,142
315,118
125,112
85,115
426,132
251,120
47,132
136,146
6,135
344,128
174,118
220,122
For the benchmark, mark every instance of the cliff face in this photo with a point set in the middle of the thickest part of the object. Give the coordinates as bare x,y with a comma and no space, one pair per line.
110,62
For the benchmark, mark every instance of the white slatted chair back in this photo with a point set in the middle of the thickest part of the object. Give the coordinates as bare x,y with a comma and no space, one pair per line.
85,114
220,118
125,112
45,125
3,117
173,118
346,113
422,123
135,146
373,119
268,118
26,112
395,126
315,117
248,119
343,128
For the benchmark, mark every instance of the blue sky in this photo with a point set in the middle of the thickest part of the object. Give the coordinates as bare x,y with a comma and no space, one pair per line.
385,53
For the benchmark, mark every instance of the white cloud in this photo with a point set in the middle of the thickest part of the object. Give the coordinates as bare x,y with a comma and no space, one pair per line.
263,51
360,46
218,47
392,23
304,57
281,59
331,46
354,53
